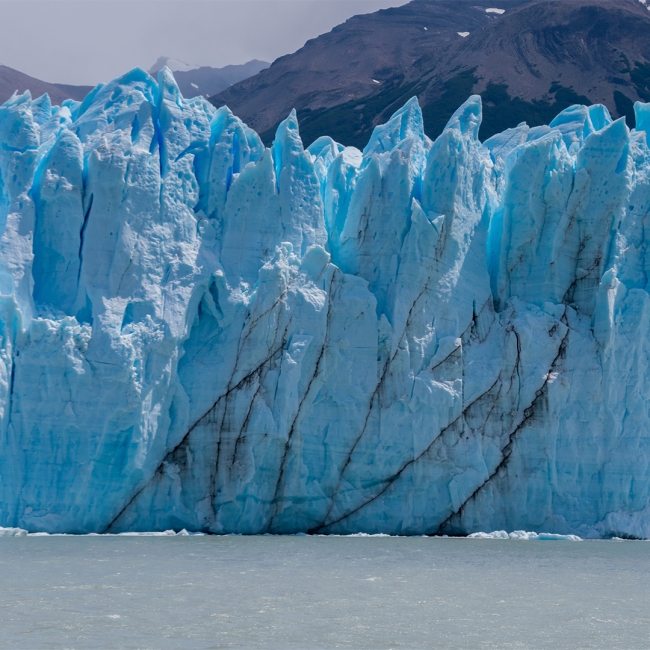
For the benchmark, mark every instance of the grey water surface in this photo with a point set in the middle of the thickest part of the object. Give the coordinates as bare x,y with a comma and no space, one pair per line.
322,592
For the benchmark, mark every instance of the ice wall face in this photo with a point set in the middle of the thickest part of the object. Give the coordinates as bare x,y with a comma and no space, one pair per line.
198,332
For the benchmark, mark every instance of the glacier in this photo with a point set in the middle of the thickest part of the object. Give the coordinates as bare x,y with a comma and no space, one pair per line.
201,333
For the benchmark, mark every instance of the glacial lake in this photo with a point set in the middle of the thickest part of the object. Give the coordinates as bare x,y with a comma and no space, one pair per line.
322,592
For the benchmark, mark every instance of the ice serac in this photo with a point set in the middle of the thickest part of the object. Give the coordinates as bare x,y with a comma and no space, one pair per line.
198,332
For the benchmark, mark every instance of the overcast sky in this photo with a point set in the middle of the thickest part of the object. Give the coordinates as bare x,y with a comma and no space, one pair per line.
88,41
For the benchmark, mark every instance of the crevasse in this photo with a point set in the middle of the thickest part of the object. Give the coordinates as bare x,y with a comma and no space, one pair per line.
198,332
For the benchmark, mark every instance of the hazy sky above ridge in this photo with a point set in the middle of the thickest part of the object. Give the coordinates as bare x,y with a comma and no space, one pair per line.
88,41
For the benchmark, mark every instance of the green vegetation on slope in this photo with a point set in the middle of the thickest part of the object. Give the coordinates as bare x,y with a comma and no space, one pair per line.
501,112
456,91
640,77
625,107
352,123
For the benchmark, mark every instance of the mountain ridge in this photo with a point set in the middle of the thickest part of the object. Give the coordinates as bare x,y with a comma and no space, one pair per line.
201,80
12,80
355,60
206,80
529,63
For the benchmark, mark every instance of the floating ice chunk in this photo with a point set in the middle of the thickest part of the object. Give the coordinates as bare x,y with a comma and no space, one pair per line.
463,34
497,534
495,10
12,532
164,533
525,536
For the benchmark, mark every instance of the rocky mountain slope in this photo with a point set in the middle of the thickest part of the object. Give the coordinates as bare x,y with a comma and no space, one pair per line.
528,60
364,58
12,80
538,59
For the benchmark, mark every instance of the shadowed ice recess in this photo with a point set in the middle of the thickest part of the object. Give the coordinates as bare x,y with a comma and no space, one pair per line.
438,338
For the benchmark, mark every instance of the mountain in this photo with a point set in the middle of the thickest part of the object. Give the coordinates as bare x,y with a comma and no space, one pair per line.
364,58
204,80
538,59
12,80
192,80
199,332
528,60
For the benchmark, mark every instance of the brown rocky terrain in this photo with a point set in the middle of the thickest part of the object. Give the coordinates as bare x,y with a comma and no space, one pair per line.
12,80
528,60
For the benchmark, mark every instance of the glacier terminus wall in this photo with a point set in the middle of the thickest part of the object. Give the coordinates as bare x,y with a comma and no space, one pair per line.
424,337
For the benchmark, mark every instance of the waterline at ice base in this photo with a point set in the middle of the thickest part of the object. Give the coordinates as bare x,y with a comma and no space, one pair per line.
424,337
